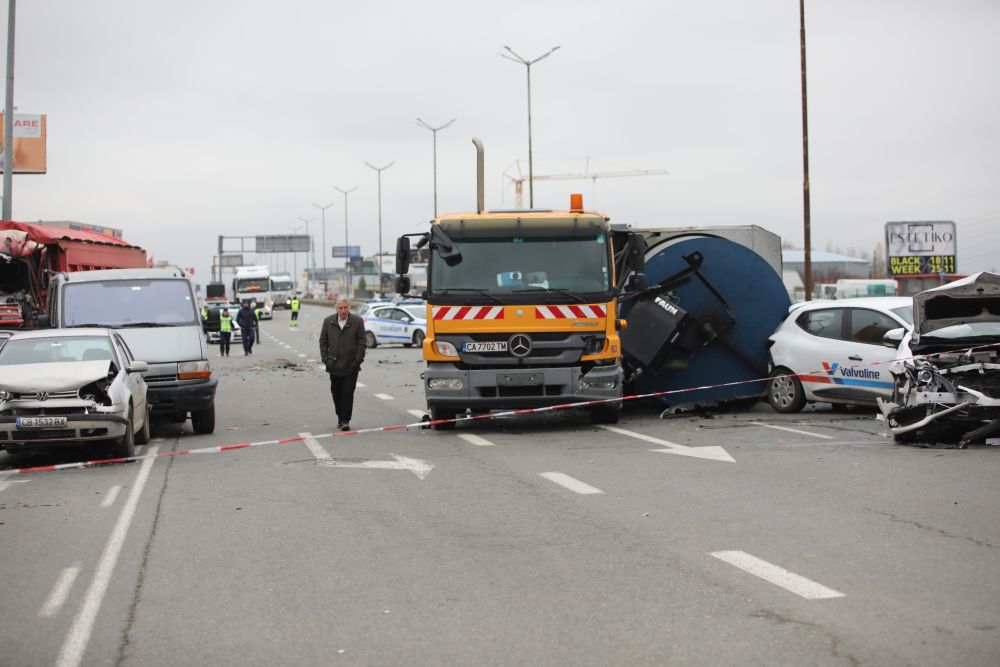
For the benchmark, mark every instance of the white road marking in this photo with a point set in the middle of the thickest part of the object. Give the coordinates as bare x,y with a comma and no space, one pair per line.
778,576
384,397
5,480
302,355
474,439
361,384
317,449
570,483
419,414
79,633
60,592
711,452
794,430
418,467
112,496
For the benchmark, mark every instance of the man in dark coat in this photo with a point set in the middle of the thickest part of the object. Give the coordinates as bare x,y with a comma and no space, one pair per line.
248,325
342,349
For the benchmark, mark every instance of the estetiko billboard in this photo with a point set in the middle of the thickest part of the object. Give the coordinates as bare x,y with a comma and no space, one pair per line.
920,247
29,143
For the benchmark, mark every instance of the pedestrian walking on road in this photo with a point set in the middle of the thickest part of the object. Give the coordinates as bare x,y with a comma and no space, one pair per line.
248,325
225,332
342,349
295,304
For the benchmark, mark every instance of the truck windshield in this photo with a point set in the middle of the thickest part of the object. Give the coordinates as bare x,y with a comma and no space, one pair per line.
533,269
281,285
252,284
121,303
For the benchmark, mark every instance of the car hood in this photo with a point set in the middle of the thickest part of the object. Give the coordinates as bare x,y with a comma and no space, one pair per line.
972,299
54,376
157,345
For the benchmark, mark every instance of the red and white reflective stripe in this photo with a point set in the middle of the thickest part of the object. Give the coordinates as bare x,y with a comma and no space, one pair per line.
467,312
565,312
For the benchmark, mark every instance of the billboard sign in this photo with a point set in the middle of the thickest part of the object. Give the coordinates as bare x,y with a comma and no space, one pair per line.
29,143
346,251
920,247
285,243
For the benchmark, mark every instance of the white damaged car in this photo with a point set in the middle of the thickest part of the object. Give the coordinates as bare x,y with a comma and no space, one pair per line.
950,389
61,387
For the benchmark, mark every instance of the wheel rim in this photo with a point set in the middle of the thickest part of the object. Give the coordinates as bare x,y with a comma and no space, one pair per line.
783,391
370,339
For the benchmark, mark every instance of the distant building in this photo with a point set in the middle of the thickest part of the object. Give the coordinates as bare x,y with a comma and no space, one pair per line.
83,226
827,267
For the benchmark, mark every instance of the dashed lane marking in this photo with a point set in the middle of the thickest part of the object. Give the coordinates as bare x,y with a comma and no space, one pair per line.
570,483
384,397
5,482
112,496
794,430
419,414
318,451
474,439
64,584
362,385
778,576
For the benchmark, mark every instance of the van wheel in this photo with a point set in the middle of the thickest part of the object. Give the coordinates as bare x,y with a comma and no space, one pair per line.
203,421
142,437
443,413
125,446
370,340
785,394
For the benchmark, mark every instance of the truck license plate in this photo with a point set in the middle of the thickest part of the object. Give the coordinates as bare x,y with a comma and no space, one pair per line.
496,346
41,422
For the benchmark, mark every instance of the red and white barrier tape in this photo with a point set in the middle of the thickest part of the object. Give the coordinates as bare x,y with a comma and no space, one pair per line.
467,418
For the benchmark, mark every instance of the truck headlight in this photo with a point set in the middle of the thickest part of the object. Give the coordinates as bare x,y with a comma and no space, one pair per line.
193,370
603,383
445,383
445,349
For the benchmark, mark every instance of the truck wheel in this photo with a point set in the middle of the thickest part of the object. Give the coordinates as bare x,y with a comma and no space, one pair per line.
443,413
606,413
125,446
785,394
203,421
370,340
142,437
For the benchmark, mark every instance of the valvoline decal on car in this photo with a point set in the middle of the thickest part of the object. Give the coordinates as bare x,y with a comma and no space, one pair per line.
848,376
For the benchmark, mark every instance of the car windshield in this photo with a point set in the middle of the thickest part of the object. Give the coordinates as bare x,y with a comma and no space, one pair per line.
49,349
970,330
906,313
122,303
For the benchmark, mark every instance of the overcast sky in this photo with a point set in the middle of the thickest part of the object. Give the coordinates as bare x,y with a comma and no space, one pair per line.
184,120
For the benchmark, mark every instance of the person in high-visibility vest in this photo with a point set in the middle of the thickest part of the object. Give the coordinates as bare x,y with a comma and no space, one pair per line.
225,332
295,303
256,313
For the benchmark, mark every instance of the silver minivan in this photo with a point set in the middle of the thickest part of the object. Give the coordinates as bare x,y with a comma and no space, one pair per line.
156,312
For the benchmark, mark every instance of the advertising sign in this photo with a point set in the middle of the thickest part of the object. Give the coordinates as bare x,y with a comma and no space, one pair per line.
29,143
346,251
920,247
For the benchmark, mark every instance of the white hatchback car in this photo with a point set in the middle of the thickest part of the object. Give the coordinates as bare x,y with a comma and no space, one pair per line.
62,387
404,323
833,352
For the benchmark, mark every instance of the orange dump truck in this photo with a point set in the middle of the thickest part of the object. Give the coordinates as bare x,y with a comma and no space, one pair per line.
30,253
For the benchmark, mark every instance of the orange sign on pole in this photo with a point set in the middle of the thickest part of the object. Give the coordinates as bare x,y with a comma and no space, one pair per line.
29,143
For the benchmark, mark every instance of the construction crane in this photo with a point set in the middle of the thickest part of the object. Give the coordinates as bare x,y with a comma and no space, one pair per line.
592,175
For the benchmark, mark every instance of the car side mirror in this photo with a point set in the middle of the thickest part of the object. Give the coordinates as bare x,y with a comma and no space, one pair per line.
138,367
407,319
893,337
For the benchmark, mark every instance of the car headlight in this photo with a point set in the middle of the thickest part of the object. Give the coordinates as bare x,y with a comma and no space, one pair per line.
193,370
924,376
4,394
445,349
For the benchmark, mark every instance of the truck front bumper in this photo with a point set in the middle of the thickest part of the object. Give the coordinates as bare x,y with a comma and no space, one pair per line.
447,386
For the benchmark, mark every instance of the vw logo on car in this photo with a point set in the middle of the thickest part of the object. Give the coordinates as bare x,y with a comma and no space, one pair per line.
519,345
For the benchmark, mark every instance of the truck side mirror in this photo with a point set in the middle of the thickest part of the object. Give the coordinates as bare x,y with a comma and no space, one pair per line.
403,285
637,282
403,256
637,253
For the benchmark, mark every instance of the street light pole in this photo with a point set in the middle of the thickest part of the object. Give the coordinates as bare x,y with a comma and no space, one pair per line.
295,259
310,256
528,64
347,243
434,130
379,170
8,118
323,213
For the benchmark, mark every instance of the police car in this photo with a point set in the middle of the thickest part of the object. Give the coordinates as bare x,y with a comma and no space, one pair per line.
833,352
404,323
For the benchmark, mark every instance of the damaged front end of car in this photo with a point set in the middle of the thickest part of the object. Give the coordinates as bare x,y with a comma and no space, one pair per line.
950,389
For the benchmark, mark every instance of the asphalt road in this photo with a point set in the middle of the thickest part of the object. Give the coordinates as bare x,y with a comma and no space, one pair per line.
749,539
